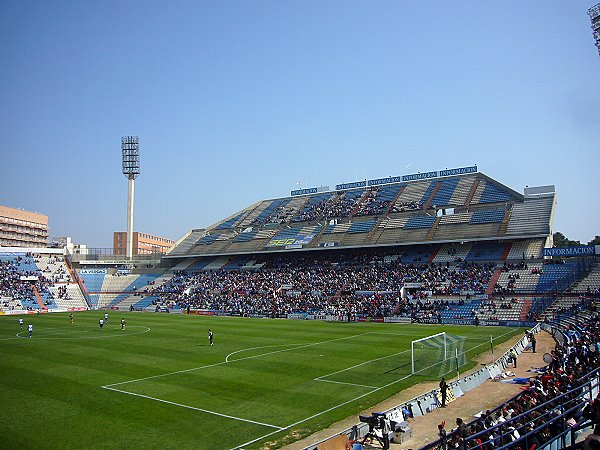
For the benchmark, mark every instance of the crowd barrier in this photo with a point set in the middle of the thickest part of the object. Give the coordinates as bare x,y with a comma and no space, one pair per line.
428,402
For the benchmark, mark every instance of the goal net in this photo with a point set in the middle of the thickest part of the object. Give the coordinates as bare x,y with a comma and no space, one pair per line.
438,354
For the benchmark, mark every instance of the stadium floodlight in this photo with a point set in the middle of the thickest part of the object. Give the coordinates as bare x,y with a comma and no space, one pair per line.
130,148
594,13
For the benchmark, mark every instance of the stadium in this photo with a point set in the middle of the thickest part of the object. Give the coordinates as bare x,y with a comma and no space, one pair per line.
323,305
358,225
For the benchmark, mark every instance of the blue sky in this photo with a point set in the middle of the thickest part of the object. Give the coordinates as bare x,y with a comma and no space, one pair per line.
237,101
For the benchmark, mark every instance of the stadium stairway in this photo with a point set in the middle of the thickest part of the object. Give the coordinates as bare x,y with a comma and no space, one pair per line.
38,297
393,202
506,251
526,308
472,192
490,289
504,224
430,199
434,254
434,228
133,299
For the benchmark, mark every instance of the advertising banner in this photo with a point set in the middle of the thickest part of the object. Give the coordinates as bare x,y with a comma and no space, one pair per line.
387,180
292,241
396,319
583,250
426,320
91,271
297,316
419,176
356,184
303,191
459,171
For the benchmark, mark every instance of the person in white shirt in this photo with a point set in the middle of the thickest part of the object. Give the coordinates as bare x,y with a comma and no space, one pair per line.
101,323
21,322
30,329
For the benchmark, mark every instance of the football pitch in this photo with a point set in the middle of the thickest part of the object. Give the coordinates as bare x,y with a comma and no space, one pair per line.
159,384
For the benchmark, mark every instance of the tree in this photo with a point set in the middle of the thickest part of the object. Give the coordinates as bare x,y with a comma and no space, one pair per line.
595,241
560,240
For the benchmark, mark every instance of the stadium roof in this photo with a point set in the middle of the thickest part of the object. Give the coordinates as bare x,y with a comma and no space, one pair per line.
430,208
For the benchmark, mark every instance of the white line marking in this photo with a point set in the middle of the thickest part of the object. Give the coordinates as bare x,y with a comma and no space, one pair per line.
194,408
99,336
235,360
256,348
279,429
349,384
334,407
360,364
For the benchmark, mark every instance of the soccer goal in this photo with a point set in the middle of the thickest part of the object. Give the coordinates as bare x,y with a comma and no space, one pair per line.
437,354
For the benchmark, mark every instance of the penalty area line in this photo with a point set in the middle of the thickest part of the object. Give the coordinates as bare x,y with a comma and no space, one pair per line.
348,384
194,408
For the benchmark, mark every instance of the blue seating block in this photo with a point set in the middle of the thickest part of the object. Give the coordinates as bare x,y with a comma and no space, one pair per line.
444,193
362,227
428,192
486,251
494,216
229,223
492,194
419,222
556,277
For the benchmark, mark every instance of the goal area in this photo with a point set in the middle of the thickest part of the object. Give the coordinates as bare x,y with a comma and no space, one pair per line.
437,354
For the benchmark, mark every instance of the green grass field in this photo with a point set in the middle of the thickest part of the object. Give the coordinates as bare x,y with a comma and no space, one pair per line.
160,385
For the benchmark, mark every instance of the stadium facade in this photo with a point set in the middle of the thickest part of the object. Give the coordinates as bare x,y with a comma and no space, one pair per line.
437,210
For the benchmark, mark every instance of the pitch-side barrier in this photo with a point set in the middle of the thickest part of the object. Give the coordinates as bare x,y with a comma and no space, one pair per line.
430,401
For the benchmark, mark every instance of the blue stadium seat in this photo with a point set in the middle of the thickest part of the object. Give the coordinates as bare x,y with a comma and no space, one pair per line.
493,194
492,216
419,222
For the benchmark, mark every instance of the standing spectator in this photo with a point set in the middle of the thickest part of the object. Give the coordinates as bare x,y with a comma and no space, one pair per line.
533,342
443,437
463,429
444,391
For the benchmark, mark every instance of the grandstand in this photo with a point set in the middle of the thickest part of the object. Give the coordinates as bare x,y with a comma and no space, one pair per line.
461,249
451,246
470,207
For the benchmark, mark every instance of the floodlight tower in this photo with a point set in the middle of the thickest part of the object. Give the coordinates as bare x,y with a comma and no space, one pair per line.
130,147
594,13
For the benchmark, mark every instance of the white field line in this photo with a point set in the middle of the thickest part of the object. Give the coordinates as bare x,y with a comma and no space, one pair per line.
279,429
360,364
58,335
334,407
239,359
348,384
256,348
194,408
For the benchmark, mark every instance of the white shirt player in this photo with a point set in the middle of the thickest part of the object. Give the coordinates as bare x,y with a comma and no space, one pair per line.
21,322
30,329
101,323
106,317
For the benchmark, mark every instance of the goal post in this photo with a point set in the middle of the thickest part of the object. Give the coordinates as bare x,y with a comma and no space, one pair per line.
438,354
436,341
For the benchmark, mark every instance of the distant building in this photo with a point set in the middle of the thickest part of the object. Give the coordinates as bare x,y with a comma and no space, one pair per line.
143,244
19,228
